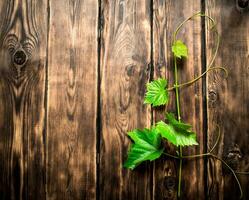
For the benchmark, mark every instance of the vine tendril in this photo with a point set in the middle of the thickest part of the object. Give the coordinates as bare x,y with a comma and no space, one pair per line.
209,66
210,154
176,88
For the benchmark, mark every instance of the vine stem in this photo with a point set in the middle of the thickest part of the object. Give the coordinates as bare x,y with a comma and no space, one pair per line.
176,86
179,119
225,163
233,172
209,66
210,154
199,77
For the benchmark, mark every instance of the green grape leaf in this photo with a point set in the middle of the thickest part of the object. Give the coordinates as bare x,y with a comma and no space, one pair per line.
178,133
180,49
179,125
157,94
147,146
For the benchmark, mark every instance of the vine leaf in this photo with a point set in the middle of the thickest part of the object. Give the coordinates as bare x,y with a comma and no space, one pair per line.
157,93
178,133
179,49
147,146
180,125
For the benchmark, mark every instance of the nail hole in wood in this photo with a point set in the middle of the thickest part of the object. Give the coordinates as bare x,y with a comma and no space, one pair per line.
19,57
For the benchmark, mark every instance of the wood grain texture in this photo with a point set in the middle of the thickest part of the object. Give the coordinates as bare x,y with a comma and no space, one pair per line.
72,83
72,100
167,16
228,99
125,68
22,113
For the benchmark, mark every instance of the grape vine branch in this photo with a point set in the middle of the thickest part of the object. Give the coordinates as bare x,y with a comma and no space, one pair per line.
148,142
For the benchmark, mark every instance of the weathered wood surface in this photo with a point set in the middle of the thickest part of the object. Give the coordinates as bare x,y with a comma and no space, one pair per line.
72,83
72,99
125,68
228,99
23,41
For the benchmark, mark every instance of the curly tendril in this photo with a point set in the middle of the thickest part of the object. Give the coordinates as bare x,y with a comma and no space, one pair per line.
209,66
176,88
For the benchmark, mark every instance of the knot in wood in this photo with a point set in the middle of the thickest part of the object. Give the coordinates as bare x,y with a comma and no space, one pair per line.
234,155
170,182
242,3
169,194
212,96
19,57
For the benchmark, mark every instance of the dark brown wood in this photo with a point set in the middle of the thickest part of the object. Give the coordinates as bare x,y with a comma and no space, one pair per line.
72,82
167,16
228,99
23,36
125,68
72,100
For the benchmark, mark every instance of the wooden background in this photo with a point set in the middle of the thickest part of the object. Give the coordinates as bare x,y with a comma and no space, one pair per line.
72,82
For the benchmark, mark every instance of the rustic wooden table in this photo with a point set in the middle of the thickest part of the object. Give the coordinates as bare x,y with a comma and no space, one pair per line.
72,82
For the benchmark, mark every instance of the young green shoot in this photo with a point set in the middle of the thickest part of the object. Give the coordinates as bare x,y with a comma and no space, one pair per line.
147,144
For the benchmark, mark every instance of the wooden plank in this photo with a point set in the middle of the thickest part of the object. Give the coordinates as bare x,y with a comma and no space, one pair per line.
125,65
167,16
228,99
23,41
72,100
